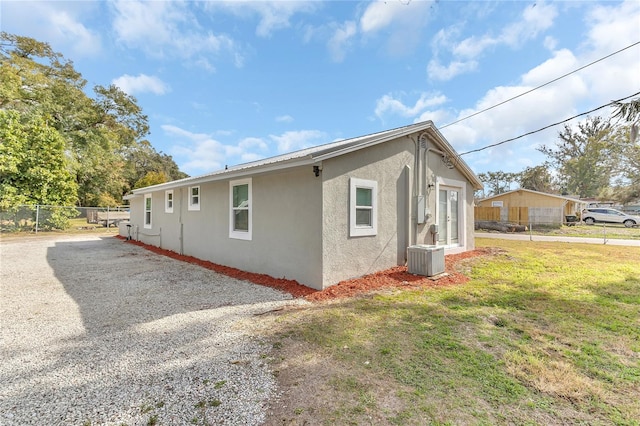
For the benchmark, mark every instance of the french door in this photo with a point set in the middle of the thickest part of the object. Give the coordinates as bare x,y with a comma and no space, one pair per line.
449,210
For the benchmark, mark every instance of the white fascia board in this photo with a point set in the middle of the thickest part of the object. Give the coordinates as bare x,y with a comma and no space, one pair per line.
373,142
460,164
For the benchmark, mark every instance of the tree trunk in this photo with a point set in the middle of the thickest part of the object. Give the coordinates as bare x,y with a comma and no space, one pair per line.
499,226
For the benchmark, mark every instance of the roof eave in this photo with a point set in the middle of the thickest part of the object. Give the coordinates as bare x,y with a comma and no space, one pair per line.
226,175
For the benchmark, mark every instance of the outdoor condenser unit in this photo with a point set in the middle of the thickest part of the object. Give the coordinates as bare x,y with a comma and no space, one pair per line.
425,260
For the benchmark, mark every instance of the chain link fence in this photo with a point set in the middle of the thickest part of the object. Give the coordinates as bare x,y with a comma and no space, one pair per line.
43,218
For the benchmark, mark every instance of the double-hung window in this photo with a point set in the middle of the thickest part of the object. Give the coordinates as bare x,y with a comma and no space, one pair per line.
168,201
194,198
240,202
147,211
363,207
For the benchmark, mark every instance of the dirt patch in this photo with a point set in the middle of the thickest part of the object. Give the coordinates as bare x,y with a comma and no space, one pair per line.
313,386
396,277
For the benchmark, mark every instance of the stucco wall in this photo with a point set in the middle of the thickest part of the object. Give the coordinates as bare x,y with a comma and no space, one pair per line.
344,256
301,222
287,225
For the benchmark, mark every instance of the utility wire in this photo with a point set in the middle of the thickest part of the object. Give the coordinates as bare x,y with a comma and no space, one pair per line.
542,85
550,125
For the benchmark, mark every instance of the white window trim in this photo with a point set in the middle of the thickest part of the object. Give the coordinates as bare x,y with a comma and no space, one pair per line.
240,235
191,206
362,231
144,209
168,208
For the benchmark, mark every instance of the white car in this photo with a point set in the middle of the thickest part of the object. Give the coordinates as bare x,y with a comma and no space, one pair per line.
602,215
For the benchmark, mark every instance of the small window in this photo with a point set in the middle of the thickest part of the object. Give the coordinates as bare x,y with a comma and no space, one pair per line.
241,208
363,202
147,210
168,201
194,198
497,204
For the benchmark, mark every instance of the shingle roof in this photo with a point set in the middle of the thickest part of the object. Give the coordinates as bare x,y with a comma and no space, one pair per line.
318,153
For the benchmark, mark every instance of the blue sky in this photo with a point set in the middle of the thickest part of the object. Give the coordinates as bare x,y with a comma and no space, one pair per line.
228,82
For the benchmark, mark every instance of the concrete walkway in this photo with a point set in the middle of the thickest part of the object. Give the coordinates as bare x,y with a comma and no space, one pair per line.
526,237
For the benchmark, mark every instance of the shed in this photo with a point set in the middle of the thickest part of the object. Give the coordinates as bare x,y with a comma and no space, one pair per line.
322,214
528,206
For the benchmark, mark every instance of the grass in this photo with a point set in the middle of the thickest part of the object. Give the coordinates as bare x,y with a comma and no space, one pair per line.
543,334
613,231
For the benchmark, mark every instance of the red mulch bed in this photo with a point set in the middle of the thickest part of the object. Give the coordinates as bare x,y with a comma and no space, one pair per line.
389,278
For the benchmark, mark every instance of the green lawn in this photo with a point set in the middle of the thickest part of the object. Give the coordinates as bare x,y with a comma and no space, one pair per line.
610,230
545,333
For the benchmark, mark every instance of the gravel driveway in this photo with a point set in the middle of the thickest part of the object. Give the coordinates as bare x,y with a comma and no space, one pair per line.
98,331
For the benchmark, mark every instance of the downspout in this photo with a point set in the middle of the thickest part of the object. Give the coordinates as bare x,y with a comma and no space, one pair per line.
409,212
428,185
181,224
412,192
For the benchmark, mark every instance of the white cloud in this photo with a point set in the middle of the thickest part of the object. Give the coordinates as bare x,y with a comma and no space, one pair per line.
534,20
612,27
273,15
437,71
296,140
284,119
383,14
400,22
141,84
562,62
390,104
339,43
200,153
550,43
59,24
169,29
379,15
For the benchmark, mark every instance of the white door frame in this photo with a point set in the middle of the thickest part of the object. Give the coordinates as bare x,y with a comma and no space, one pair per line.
461,186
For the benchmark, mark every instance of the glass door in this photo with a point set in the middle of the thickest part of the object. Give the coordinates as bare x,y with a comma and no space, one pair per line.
448,216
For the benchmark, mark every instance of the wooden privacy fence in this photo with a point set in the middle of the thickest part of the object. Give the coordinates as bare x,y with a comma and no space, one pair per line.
519,215
487,213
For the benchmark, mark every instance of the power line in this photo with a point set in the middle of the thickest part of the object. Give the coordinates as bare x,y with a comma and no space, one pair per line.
542,85
550,125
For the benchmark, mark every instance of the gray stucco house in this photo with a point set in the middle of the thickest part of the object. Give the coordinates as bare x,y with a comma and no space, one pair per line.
319,215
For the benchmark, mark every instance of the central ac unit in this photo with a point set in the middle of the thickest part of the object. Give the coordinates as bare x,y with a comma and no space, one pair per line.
425,260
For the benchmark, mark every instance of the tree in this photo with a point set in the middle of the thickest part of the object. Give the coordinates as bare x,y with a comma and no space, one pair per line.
101,134
497,182
582,157
625,165
33,167
537,178
628,111
151,178
143,159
